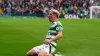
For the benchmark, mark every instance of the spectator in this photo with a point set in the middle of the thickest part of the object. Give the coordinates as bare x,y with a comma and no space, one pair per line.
27,7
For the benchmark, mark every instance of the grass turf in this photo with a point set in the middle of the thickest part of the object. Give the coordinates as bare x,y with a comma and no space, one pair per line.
80,37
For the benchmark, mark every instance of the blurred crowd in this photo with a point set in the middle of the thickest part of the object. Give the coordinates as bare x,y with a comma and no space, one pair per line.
79,7
95,2
28,7
42,7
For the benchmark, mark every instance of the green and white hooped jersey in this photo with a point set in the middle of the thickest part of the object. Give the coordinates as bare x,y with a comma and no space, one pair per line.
54,29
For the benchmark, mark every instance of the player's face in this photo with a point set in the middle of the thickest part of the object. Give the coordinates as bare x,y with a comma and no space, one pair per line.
50,16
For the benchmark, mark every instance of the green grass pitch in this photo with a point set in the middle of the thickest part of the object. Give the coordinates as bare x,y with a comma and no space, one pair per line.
81,37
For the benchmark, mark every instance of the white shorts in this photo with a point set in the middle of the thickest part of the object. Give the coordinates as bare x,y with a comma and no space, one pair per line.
47,48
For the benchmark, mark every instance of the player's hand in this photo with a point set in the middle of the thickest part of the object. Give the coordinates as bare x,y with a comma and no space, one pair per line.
47,42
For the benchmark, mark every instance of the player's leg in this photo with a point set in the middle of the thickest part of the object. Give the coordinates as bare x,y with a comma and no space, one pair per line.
47,50
32,53
44,53
47,54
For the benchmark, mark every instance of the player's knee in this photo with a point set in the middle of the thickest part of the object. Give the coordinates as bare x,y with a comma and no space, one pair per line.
29,54
32,54
44,53
39,55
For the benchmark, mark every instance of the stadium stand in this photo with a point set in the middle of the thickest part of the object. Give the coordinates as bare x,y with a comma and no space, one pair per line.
40,8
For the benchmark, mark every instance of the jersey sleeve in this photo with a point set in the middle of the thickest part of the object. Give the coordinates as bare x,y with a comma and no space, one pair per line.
59,28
